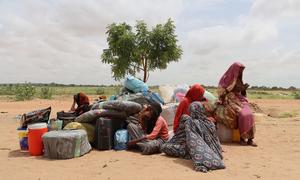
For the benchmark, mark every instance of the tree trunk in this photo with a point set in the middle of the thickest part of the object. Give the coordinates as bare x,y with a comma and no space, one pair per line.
145,69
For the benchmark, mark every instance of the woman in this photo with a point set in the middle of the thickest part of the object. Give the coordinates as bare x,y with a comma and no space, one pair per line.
195,93
234,110
196,139
82,102
148,130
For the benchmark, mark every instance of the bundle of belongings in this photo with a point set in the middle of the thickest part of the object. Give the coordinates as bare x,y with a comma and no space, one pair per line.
104,125
102,122
137,91
53,144
36,116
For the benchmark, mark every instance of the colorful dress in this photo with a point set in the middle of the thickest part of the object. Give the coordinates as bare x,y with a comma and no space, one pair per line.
155,139
196,139
234,110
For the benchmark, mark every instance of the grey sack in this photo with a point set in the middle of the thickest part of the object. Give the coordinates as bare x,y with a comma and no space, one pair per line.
65,144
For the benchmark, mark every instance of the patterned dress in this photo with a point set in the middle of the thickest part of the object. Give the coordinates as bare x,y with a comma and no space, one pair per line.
146,146
196,139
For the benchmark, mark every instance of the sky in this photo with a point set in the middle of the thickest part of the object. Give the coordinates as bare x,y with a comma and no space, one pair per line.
61,41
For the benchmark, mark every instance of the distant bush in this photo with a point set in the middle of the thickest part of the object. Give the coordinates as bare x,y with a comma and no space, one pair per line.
24,92
8,89
46,93
259,92
296,96
100,91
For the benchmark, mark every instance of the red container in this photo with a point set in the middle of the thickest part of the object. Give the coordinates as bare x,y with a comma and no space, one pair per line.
35,143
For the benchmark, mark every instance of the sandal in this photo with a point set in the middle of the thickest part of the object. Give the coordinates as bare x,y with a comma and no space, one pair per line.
243,142
251,143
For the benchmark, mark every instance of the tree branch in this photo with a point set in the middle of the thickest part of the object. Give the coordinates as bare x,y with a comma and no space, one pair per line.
137,67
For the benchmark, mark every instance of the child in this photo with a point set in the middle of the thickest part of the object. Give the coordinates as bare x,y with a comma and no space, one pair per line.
147,129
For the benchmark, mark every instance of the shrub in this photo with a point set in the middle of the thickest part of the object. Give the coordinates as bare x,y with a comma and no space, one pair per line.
100,91
296,96
24,92
46,93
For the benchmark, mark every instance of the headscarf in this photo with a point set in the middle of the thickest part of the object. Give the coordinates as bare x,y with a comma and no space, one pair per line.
195,93
228,80
155,113
197,111
81,99
156,109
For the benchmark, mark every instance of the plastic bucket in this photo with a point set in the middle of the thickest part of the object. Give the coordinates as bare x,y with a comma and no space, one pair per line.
23,139
35,143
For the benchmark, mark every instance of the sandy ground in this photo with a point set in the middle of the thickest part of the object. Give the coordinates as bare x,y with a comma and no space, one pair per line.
276,157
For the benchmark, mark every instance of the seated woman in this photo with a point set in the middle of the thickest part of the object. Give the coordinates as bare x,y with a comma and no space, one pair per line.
196,139
195,93
233,110
147,129
82,102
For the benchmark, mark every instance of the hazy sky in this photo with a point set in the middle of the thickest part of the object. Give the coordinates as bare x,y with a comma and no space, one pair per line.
61,40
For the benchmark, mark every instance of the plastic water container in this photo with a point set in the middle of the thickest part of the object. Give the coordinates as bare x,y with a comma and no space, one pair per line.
35,143
23,139
59,124
227,135
235,135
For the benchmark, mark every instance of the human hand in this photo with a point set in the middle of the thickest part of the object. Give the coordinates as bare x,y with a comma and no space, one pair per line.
72,110
131,143
246,85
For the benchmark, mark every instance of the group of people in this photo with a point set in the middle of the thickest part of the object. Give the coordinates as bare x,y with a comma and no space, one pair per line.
195,135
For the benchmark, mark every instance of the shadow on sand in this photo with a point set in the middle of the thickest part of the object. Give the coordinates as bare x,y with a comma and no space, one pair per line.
18,153
184,162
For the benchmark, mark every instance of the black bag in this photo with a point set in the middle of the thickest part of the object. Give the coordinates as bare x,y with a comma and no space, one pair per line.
41,115
104,132
66,117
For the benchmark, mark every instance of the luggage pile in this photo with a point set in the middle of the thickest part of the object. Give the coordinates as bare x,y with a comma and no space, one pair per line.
103,127
69,135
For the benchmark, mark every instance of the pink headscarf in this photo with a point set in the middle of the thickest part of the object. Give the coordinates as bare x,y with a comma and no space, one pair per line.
229,78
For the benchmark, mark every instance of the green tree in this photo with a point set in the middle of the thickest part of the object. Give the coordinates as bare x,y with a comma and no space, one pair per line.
142,50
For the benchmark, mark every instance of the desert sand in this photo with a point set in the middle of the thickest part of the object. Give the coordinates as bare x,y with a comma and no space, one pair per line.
276,157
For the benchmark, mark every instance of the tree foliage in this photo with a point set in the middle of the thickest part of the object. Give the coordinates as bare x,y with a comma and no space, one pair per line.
142,50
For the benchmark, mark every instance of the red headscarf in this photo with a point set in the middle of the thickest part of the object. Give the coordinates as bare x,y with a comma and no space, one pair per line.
195,93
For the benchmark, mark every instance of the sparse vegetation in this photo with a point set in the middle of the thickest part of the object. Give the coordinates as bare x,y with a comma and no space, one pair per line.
24,92
296,95
46,93
100,91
